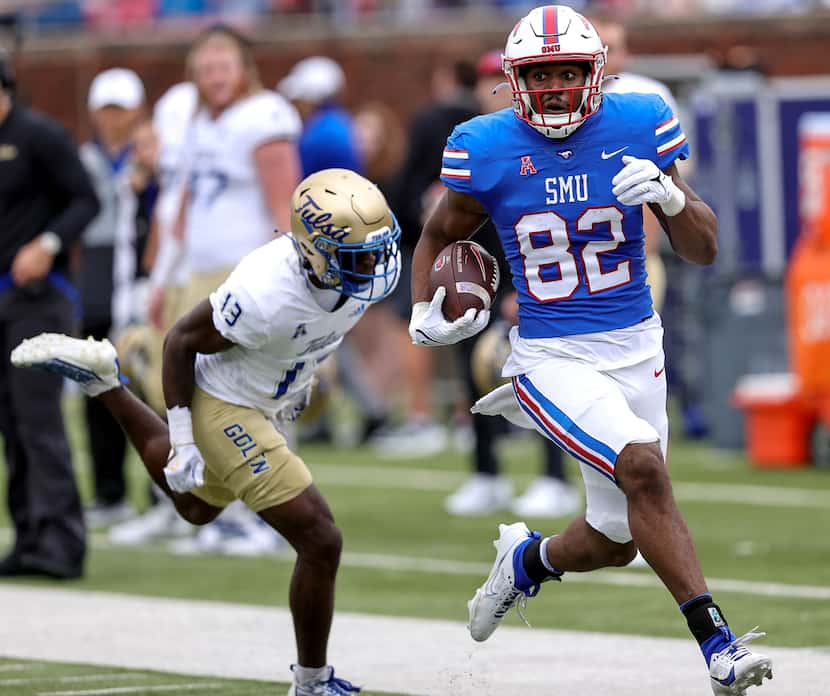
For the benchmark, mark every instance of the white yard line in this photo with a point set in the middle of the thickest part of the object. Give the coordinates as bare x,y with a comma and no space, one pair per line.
413,479
620,578
133,689
478,570
16,666
393,654
115,676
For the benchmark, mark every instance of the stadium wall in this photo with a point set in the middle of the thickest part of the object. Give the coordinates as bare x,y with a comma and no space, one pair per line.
391,65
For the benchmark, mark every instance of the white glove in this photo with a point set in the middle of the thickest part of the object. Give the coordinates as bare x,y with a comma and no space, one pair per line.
185,468
641,181
429,326
296,403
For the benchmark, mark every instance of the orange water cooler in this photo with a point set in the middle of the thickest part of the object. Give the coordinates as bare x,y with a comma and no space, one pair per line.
788,416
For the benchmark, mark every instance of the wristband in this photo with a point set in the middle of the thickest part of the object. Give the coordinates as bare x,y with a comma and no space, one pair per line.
677,199
180,425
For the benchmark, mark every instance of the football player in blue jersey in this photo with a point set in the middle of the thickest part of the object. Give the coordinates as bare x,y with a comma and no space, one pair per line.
564,176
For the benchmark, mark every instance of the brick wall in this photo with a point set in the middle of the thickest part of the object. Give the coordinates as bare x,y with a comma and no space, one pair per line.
54,75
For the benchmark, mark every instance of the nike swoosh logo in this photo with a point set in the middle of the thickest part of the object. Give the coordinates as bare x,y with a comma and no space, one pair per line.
609,155
659,372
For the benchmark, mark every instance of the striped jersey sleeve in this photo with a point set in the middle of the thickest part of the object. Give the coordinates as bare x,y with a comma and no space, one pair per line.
669,138
456,167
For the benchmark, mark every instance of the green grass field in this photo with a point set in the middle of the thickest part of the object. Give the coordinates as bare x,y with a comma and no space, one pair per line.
30,678
405,556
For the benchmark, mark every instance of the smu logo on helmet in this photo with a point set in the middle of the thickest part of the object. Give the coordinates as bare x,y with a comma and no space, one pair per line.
553,48
317,221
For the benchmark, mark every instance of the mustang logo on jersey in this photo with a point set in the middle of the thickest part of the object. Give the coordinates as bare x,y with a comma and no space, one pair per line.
317,221
566,189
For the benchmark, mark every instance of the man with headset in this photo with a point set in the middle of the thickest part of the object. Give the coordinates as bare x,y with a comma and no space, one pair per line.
46,201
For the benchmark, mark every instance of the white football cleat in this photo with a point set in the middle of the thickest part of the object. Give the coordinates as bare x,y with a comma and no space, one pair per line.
92,364
548,497
735,668
331,686
159,521
480,495
502,589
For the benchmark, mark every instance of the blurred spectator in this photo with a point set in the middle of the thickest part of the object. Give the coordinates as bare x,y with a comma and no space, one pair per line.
417,187
140,349
46,200
180,8
315,86
145,184
380,138
113,14
381,141
617,79
492,91
107,269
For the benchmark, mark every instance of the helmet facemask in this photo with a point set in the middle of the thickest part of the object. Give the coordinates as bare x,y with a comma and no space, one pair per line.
581,100
554,34
365,270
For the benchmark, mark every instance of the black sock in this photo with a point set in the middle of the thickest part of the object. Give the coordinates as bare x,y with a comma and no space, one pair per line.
532,561
704,617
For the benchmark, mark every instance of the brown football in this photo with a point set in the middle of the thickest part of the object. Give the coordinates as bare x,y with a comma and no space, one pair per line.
469,273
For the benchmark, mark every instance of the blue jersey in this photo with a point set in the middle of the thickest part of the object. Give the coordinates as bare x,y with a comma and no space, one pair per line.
576,254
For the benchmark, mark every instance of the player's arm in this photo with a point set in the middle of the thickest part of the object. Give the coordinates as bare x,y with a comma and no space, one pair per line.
693,231
278,170
457,216
690,223
193,333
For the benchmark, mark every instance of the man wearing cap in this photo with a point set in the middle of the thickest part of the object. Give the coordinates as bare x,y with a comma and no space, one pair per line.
328,141
46,200
108,266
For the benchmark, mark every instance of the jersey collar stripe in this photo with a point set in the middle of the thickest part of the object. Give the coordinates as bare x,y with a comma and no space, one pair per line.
660,125
576,441
549,25
455,173
456,154
667,126
671,145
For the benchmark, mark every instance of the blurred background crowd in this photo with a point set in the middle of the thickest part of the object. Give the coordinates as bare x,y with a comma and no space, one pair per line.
115,14
150,123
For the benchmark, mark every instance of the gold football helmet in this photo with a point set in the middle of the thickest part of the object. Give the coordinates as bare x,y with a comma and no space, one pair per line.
346,234
490,352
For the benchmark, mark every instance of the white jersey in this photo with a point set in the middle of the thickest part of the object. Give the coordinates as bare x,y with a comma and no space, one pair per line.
228,215
625,83
267,308
604,350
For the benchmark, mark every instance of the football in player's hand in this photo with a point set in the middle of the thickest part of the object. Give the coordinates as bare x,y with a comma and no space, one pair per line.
470,275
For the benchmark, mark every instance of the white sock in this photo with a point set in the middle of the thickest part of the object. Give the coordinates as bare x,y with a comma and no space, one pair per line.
543,555
309,675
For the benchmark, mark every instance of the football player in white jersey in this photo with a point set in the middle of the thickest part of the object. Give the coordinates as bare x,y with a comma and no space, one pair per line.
241,163
564,176
241,363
